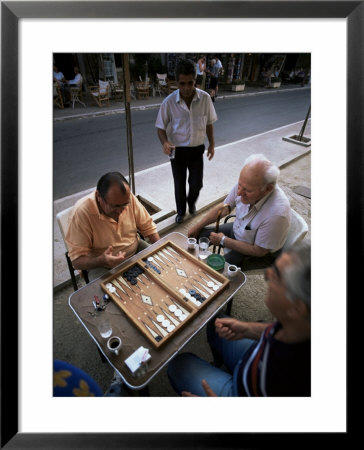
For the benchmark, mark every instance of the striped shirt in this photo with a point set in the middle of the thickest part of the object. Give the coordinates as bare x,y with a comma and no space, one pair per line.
275,368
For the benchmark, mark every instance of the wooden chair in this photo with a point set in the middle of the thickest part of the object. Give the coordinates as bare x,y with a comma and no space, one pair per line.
117,91
162,84
76,94
57,96
63,223
101,93
141,89
172,86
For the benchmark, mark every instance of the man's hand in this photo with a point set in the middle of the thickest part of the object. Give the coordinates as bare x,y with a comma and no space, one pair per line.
206,388
210,152
231,329
168,147
215,238
194,231
109,260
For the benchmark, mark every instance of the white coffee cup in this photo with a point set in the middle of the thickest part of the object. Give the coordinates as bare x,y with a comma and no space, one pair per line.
232,270
114,344
191,242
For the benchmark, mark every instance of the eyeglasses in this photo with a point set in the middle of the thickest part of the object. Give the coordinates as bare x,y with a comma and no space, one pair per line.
114,207
276,271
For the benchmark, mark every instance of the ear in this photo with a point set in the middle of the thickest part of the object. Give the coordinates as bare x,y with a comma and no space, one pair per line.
269,188
297,309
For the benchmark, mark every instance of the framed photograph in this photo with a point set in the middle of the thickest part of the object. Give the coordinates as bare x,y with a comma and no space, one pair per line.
15,178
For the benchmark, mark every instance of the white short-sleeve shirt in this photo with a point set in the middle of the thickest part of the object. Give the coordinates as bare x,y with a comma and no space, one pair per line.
186,127
266,224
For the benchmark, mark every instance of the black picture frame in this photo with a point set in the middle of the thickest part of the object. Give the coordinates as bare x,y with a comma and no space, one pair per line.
11,12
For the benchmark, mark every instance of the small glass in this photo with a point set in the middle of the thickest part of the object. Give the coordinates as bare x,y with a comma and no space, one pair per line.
203,248
191,242
104,326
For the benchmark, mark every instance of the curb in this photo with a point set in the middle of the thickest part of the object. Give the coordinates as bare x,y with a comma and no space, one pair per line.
157,105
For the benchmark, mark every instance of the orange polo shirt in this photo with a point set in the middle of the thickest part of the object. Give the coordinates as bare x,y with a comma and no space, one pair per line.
91,233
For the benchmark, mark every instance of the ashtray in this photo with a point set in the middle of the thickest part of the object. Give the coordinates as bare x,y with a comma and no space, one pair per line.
215,261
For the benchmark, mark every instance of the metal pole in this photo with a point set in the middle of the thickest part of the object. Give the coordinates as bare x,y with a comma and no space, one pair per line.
127,99
304,124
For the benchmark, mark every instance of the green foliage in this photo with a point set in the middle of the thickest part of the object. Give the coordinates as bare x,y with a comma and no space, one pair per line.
276,80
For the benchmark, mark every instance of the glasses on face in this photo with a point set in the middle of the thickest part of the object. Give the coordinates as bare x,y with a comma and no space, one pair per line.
114,207
276,271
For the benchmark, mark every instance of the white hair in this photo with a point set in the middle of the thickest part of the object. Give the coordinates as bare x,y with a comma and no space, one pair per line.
271,171
297,276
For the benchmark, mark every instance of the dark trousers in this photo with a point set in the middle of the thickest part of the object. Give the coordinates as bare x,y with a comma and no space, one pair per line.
191,159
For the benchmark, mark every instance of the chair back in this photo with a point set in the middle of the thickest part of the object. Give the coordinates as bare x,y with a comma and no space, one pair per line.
104,87
63,222
63,218
297,230
162,79
161,76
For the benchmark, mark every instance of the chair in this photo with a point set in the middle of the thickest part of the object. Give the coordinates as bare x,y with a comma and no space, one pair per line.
76,94
57,96
63,223
101,93
142,89
71,381
117,91
172,86
297,231
161,85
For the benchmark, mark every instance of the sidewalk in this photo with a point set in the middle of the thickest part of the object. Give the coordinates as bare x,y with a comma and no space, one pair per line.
118,107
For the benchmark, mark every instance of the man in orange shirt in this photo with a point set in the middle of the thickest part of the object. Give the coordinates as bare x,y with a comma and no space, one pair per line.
103,226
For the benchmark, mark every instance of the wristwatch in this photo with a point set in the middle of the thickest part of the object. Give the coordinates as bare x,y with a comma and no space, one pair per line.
222,241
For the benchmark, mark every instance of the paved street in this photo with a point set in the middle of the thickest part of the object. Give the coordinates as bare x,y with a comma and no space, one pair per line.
97,145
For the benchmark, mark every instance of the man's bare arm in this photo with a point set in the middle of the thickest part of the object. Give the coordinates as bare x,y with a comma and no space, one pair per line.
209,218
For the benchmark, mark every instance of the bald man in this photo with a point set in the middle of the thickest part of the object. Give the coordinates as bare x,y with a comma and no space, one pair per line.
103,226
263,217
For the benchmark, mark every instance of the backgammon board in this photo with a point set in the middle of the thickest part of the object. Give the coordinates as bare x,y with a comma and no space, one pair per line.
162,291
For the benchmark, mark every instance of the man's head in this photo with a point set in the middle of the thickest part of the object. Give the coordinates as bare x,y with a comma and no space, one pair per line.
258,178
289,284
112,194
186,78
76,70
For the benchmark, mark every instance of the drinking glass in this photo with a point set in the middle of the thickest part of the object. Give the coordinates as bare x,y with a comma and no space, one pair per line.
203,245
104,326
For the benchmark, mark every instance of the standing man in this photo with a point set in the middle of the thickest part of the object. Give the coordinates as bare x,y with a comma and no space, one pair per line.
185,117
219,70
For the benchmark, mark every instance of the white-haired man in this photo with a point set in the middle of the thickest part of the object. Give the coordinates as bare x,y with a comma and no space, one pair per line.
263,216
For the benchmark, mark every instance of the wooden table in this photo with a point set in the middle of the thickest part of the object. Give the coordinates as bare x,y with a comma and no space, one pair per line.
81,304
